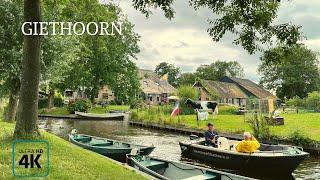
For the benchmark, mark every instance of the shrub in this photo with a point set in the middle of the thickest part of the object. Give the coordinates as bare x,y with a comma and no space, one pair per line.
138,104
300,139
57,102
227,109
295,101
313,100
185,92
259,126
81,105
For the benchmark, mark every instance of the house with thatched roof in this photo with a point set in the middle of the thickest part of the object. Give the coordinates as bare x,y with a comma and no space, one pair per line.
262,99
222,92
154,89
250,88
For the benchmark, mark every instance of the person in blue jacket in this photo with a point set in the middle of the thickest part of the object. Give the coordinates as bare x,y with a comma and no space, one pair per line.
210,135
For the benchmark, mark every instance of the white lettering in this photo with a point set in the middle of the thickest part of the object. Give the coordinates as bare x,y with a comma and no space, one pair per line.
69,28
43,29
96,27
75,28
23,28
104,28
114,26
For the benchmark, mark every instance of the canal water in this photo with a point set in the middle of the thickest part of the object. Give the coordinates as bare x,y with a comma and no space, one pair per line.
166,143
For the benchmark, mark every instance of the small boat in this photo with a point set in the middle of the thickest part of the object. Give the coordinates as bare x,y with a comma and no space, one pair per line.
268,160
114,149
165,170
107,116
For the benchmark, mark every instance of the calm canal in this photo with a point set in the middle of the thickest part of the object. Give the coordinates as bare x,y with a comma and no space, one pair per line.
166,143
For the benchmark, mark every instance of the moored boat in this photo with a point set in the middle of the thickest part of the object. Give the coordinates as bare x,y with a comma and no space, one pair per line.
165,170
107,116
111,148
269,160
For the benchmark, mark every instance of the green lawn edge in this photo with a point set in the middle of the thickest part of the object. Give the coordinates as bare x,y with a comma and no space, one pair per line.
67,161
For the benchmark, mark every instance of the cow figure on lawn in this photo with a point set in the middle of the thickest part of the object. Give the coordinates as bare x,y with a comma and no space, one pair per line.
193,104
212,105
197,106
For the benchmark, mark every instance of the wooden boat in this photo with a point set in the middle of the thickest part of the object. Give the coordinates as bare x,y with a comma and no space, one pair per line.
114,149
268,160
165,170
107,116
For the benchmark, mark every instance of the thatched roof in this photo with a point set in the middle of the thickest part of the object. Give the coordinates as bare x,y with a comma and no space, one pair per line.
253,88
152,84
221,89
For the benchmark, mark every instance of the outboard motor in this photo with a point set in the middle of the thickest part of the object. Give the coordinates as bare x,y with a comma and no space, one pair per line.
74,132
193,137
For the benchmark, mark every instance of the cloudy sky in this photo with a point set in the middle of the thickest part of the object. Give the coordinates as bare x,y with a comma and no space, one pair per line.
184,42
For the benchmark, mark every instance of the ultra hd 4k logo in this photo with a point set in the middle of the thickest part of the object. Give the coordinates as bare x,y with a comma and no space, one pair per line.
30,158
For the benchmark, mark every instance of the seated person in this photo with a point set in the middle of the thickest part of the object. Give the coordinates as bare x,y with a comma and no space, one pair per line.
249,144
210,135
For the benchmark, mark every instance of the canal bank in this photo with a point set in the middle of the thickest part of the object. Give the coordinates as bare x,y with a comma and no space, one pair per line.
67,161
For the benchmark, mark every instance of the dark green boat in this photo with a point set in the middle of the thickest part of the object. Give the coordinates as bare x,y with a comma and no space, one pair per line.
165,170
116,150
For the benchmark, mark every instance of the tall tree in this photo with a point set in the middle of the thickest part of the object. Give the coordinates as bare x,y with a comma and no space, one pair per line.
10,53
169,69
252,21
104,60
187,79
291,71
218,69
27,115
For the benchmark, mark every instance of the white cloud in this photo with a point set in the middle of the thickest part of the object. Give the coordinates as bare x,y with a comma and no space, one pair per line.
184,41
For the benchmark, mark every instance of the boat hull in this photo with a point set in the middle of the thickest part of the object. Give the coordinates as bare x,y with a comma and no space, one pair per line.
109,116
165,169
118,154
242,162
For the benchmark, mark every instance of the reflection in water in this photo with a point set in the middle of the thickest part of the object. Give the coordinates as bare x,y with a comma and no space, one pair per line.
166,143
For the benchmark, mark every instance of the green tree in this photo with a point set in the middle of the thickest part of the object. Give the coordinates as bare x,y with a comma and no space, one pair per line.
313,100
104,60
172,71
10,54
291,71
187,79
253,22
126,84
218,69
185,92
27,115
59,53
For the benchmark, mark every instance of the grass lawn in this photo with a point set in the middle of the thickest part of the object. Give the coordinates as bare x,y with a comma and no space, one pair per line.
308,124
67,160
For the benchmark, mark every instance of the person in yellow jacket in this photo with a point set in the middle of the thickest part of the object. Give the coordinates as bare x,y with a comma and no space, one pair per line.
249,144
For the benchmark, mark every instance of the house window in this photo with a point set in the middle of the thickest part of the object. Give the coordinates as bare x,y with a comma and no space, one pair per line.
150,98
105,96
158,98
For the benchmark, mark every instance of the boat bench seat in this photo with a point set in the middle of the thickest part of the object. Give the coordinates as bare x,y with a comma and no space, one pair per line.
82,138
100,143
154,165
205,176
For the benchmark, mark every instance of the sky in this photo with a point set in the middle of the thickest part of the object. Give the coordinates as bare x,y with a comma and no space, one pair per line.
184,41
